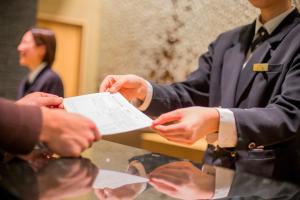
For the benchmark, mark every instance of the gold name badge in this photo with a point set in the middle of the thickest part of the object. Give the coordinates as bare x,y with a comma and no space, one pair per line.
261,67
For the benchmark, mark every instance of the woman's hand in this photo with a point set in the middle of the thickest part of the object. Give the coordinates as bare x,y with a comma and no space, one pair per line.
130,86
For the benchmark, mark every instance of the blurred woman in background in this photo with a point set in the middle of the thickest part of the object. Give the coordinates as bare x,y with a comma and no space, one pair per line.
37,53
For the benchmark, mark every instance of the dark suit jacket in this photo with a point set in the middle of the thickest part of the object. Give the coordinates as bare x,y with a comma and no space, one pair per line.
266,105
20,127
46,81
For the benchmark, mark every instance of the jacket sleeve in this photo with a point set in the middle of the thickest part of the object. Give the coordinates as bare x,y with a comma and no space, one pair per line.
20,127
195,90
191,92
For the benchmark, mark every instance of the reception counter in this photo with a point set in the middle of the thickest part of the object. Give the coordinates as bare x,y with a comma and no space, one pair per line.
42,175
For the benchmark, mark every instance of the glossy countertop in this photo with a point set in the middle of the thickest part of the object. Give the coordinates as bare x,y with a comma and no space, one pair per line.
41,175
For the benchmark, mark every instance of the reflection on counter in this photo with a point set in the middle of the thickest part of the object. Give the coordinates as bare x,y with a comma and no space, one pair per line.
41,176
56,179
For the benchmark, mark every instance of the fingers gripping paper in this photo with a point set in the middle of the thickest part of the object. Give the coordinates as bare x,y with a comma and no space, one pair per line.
111,113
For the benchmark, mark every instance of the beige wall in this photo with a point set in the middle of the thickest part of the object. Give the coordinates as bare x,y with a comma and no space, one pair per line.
147,37
152,37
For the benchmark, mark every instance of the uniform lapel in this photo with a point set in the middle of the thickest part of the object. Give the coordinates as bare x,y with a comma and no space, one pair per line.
37,83
38,77
247,75
263,54
233,61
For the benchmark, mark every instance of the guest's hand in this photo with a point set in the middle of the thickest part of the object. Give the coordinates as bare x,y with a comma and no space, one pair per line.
67,134
182,180
130,86
41,99
187,125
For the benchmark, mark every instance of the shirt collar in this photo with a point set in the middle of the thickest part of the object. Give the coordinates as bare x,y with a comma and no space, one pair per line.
271,25
33,74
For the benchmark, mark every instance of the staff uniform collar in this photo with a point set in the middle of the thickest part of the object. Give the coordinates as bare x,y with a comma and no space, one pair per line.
33,74
271,25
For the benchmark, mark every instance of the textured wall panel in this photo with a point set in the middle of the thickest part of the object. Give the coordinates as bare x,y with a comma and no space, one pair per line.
162,39
15,17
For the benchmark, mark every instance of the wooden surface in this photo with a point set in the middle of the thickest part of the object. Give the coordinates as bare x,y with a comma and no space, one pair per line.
155,143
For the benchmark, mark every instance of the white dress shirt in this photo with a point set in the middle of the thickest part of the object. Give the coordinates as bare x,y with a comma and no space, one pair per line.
227,134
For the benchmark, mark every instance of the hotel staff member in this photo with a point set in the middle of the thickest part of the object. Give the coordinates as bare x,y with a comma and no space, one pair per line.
246,88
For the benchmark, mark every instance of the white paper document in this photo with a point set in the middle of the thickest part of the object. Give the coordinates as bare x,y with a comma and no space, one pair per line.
111,113
112,179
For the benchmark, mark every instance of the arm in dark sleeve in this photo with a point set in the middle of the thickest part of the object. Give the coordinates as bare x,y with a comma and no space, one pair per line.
197,89
191,92
20,127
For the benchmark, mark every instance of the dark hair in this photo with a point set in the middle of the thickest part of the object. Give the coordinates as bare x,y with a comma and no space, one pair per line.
47,38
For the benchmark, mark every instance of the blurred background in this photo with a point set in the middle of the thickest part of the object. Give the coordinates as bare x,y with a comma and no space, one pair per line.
159,39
